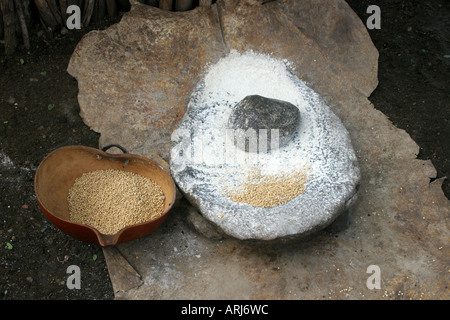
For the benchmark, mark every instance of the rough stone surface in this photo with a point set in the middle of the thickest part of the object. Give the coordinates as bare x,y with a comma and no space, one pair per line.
135,77
201,225
320,148
257,112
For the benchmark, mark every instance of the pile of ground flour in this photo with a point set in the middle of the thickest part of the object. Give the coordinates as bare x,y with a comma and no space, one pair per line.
206,164
225,84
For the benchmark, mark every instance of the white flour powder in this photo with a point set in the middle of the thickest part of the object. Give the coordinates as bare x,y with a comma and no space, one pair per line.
238,76
225,84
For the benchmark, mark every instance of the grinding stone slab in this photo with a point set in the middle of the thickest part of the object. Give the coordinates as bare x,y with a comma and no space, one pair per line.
320,153
400,222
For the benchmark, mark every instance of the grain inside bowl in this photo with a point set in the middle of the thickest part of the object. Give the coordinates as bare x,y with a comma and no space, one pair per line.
110,200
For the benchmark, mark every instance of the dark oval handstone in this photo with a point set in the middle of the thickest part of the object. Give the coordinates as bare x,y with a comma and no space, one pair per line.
280,120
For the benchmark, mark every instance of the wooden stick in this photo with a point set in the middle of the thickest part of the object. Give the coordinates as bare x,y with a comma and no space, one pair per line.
55,11
166,4
88,14
9,26
45,14
23,24
1,22
111,8
184,5
99,10
79,3
63,10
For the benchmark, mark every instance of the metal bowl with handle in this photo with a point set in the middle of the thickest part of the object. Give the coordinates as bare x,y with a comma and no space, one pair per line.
57,172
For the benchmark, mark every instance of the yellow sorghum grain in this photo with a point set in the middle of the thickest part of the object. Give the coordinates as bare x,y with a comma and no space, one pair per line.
110,200
269,190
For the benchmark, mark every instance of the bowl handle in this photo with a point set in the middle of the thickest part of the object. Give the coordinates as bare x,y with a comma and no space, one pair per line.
107,240
114,145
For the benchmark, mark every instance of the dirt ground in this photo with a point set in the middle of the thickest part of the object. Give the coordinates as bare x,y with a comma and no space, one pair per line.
39,113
